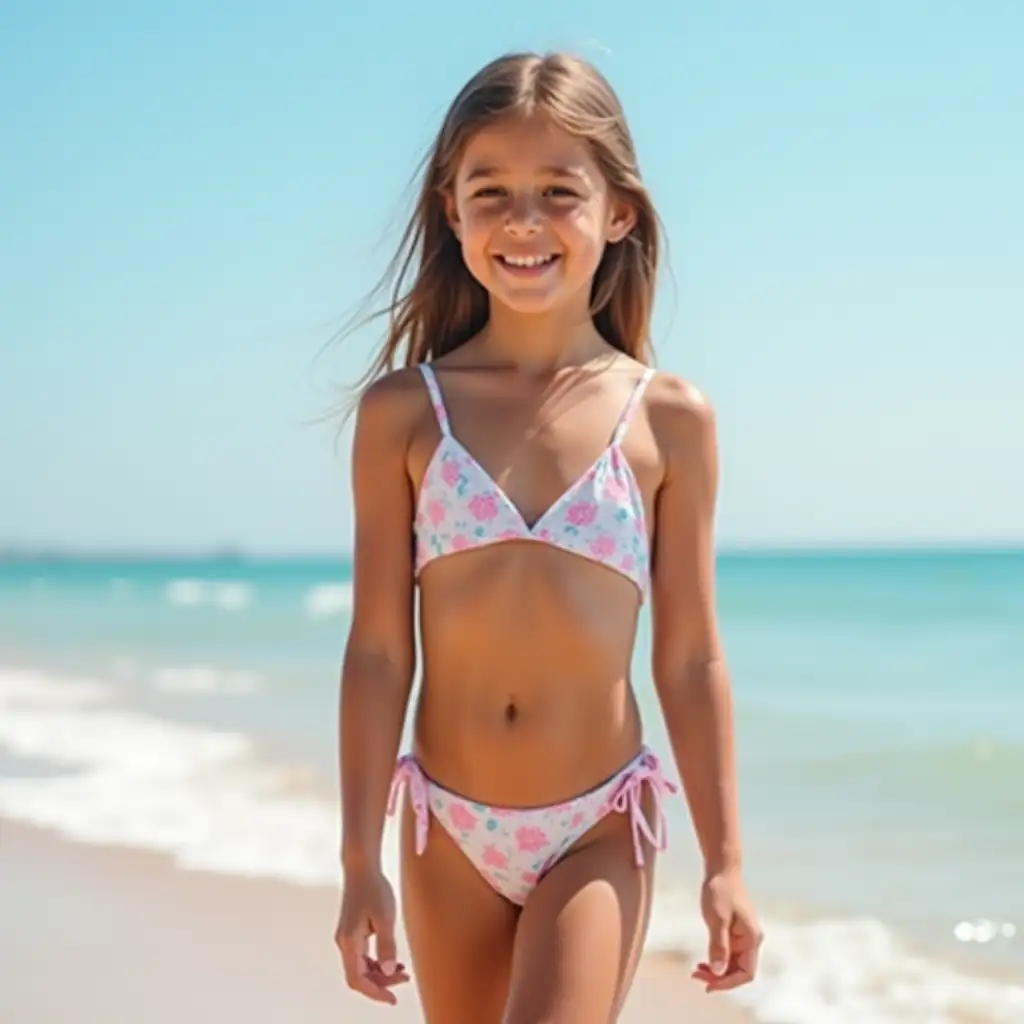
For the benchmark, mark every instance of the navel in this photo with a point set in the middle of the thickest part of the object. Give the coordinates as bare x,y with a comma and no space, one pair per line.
511,711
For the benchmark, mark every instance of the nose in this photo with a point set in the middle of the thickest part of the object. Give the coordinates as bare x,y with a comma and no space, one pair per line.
523,218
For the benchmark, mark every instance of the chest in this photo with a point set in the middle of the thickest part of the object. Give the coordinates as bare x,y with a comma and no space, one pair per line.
539,455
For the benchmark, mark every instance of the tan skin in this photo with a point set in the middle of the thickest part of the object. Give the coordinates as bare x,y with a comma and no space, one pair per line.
526,698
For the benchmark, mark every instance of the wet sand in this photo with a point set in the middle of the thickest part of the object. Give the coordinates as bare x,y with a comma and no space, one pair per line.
96,935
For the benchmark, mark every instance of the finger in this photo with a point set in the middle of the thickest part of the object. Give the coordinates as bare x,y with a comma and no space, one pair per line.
387,951
748,959
376,993
357,975
365,984
388,980
732,979
352,947
378,977
742,969
702,972
372,982
718,946
376,965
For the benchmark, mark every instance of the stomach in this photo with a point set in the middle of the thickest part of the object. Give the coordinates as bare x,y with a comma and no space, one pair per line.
526,698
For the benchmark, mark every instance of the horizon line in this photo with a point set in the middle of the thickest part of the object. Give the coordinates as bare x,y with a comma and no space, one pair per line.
23,553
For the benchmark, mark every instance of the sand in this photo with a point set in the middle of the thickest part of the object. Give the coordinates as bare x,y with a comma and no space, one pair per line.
97,935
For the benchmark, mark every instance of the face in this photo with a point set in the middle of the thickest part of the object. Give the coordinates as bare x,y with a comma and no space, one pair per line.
533,214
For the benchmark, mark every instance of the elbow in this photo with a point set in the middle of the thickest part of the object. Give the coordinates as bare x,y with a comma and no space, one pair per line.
694,672
686,650
385,668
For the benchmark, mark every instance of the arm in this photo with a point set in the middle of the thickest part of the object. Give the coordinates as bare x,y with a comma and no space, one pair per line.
690,675
380,655
691,679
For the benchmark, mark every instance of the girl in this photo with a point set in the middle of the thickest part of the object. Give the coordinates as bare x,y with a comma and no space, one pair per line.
537,481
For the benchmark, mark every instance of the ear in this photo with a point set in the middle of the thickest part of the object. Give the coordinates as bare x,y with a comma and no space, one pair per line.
621,219
451,212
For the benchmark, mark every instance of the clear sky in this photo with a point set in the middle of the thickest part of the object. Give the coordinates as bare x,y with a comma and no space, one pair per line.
193,195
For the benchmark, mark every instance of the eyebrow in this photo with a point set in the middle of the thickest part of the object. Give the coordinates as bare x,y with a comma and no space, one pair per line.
553,170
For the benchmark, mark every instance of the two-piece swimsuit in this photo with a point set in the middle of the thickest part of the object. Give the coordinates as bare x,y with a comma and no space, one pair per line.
600,518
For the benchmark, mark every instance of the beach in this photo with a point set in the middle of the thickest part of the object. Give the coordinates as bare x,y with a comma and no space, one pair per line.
224,227
169,810
97,935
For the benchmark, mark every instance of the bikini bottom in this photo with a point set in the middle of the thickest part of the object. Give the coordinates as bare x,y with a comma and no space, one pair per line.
513,848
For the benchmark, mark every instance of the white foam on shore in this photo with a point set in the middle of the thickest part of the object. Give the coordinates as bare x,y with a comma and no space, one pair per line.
229,595
203,679
197,794
329,599
203,797
847,971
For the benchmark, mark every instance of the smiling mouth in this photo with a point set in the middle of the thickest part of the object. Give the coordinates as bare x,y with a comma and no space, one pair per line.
527,264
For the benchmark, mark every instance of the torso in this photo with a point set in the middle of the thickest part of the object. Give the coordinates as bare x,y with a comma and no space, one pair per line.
526,645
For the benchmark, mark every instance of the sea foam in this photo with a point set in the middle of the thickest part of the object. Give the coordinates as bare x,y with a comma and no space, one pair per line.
329,599
229,595
201,795
207,799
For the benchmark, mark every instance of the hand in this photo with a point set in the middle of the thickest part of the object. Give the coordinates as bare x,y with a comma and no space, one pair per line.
734,934
368,908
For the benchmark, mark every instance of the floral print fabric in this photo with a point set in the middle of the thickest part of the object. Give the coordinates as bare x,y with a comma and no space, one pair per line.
513,848
600,517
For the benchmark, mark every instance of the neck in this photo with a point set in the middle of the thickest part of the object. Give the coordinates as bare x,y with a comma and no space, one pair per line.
541,342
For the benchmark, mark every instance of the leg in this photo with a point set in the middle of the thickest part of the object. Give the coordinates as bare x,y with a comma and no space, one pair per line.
460,931
581,932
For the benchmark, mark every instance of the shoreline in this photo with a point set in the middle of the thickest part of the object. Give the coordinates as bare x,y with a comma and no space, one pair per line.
80,799
134,732
110,935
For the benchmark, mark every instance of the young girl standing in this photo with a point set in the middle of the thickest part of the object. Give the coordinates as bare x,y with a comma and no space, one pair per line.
537,482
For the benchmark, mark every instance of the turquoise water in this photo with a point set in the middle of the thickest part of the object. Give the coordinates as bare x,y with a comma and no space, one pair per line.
190,706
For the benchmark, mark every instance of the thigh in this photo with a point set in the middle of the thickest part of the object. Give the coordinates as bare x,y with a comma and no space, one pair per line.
581,933
460,931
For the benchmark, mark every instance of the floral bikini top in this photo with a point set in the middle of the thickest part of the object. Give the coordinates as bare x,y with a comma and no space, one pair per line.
600,517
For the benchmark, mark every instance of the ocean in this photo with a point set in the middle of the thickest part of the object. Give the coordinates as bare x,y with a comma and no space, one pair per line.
190,707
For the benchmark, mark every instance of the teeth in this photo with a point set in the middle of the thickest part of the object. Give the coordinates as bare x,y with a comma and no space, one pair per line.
527,261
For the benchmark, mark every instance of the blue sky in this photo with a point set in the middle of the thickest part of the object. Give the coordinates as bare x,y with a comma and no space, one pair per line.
193,195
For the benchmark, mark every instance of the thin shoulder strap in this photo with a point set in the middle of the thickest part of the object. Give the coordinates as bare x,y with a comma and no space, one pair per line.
435,397
631,406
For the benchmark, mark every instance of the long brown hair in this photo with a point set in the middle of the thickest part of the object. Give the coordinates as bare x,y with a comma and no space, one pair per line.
435,304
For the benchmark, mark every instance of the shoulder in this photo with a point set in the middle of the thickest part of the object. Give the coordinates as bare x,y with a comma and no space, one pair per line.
682,417
391,407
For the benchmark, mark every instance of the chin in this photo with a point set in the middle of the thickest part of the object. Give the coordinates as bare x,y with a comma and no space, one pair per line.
532,304
533,299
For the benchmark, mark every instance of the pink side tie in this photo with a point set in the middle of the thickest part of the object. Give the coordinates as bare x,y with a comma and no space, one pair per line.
628,796
408,772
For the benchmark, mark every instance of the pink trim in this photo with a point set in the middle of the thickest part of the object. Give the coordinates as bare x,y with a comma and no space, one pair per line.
504,852
407,771
627,798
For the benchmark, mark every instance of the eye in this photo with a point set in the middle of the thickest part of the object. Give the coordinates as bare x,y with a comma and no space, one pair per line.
489,192
561,192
